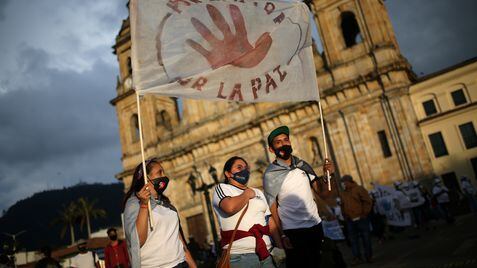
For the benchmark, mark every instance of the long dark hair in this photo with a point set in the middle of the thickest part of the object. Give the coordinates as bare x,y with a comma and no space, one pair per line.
228,165
138,180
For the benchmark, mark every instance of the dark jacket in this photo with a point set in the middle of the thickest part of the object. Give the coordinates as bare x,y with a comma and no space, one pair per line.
355,202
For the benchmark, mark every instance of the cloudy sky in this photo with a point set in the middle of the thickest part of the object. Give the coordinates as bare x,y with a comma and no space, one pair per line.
57,75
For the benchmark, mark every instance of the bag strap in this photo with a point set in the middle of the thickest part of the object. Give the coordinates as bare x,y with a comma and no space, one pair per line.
311,183
235,230
320,204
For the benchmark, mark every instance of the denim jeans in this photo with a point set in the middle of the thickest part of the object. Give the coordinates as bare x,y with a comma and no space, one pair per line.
250,260
357,229
182,265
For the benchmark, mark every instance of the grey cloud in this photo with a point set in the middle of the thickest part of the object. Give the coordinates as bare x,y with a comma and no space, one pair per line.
65,125
3,6
70,115
56,124
435,34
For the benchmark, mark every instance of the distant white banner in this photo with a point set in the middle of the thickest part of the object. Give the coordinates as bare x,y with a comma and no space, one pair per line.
393,204
332,230
236,50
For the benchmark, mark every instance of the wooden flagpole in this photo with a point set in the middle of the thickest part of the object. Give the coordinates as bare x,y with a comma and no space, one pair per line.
151,224
328,177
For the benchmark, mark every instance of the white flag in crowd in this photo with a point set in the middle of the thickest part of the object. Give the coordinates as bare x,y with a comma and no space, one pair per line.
237,50
393,204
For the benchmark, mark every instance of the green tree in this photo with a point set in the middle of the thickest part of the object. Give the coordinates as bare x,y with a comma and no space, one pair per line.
67,217
88,211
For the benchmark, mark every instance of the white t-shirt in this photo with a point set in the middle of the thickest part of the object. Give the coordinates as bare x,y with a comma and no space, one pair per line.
415,196
257,212
443,197
468,188
163,247
296,206
337,212
85,260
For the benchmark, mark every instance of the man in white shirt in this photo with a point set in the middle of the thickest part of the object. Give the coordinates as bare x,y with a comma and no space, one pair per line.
469,192
85,258
419,202
441,193
287,185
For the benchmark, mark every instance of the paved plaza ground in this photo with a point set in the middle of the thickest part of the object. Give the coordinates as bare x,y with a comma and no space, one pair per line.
443,246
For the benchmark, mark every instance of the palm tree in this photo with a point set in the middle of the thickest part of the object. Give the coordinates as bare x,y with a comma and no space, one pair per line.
67,217
87,211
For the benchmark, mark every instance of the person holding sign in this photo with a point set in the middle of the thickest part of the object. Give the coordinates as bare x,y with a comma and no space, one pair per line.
164,245
288,183
251,244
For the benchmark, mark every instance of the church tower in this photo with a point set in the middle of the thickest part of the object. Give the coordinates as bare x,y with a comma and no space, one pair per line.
364,83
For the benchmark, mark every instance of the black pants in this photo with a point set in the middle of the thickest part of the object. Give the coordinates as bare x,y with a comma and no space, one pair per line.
182,265
306,251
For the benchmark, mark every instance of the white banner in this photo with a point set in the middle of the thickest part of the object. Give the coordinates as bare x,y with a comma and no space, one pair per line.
415,196
235,50
332,230
394,205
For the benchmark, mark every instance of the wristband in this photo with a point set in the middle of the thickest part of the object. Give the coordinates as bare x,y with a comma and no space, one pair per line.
143,206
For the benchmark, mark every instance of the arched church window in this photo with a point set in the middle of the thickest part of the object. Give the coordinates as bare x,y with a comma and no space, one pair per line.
350,29
134,128
316,151
129,63
179,107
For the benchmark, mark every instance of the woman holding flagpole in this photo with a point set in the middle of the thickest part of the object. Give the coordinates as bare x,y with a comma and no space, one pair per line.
240,207
164,244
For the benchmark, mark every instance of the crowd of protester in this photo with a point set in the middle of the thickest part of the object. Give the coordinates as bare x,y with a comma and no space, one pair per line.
289,224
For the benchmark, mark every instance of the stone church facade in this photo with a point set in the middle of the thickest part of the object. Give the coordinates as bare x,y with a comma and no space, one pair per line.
364,85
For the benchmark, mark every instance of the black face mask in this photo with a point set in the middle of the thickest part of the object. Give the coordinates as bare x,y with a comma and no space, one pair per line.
284,152
113,237
242,176
160,184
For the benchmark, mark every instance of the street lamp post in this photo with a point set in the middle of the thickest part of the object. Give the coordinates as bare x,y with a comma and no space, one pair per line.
204,188
14,247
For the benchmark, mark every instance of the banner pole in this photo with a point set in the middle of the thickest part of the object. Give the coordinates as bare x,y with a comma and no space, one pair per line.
143,158
328,177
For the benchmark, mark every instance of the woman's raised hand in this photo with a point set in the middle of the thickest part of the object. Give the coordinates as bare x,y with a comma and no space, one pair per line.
144,194
249,193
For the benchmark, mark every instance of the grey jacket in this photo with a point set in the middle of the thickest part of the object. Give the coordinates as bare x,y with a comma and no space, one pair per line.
131,211
276,173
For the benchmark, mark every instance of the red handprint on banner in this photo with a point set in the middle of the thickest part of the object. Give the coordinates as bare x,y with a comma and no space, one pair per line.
233,49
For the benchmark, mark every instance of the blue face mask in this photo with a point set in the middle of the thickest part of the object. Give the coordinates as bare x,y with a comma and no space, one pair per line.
242,176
